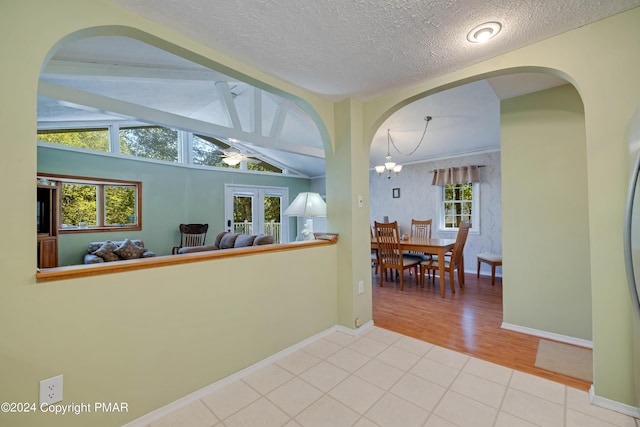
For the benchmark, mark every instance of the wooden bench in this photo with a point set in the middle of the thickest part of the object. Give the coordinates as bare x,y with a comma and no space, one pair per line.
494,260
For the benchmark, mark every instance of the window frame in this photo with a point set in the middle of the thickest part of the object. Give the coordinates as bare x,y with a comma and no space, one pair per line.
475,209
101,201
185,155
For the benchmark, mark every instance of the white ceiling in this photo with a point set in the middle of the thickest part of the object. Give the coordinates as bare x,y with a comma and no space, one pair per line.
336,48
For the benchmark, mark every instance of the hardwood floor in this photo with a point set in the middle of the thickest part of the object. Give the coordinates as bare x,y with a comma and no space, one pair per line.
467,321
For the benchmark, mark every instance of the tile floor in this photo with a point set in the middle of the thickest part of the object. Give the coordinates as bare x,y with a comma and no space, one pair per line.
382,378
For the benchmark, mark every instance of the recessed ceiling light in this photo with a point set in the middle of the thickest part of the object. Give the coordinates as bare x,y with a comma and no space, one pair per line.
484,32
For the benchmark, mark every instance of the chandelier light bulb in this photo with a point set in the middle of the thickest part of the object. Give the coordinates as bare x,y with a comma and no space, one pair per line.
391,166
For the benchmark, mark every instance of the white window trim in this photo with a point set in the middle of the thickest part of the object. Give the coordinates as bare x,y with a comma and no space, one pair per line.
475,211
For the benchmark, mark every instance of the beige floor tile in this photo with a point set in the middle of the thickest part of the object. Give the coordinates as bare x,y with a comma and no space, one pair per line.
399,358
508,420
534,409
357,394
324,376
195,414
294,396
348,359
322,348
368,346
384,335
422,393
268,378
298,362
392,411
539,387
579,401
436,421
464,411
230,399
479,389
379,374
489,371
326,412
260,413
578,419
413,345
292,423
341,338
435,371
364,422
447,357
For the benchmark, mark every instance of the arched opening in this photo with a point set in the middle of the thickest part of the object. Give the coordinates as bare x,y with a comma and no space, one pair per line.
118,105
529,139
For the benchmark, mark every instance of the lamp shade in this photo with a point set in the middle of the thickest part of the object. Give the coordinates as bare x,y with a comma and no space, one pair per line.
307,204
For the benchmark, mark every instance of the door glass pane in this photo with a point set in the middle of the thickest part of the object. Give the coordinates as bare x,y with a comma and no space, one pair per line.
272,220
242,214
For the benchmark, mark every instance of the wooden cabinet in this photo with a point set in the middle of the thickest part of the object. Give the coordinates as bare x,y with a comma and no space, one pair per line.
47,224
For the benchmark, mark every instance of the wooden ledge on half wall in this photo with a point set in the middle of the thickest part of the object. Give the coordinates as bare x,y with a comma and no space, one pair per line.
85,270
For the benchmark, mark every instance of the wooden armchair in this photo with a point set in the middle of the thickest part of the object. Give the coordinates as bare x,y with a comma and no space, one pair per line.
191,235
456,261
389,254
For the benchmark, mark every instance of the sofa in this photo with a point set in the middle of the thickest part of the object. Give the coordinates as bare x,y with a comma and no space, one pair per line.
228,240
109,251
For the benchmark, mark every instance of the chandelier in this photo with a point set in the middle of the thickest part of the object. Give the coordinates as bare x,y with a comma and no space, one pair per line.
391,166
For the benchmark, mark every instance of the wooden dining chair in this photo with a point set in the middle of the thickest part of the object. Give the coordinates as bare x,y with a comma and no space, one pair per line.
389,253
454,263
191,235
420,229
375,259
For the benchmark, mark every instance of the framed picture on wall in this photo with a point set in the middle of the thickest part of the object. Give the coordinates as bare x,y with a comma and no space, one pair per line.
396,193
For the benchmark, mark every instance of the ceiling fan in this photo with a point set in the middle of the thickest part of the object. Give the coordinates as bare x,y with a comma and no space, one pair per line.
232,157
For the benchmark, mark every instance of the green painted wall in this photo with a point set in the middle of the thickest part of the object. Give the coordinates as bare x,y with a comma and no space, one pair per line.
115,337
171,195
545,219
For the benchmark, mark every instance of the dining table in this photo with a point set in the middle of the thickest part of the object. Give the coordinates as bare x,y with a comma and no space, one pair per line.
437,247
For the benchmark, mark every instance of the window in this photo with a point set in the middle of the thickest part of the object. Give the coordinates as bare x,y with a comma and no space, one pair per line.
457,203
92,139
95,204
151,142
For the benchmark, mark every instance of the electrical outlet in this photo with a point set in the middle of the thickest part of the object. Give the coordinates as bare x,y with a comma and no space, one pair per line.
361,287
51,390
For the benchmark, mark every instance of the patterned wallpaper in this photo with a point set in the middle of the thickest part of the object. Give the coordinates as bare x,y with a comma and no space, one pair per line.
418,200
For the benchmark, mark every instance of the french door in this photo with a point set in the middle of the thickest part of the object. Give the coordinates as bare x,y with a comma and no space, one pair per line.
257,210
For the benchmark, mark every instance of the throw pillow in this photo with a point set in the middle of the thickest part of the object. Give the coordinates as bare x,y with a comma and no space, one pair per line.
263,239
106,251
129,250
228,240
244,240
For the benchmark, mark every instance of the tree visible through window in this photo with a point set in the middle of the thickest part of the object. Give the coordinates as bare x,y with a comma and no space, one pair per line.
95,203
92,139
151,142
457,205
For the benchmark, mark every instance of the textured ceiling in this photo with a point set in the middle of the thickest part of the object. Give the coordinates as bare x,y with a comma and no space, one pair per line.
335,48
363,48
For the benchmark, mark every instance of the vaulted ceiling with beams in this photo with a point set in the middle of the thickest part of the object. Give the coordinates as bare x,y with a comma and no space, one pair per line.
332,47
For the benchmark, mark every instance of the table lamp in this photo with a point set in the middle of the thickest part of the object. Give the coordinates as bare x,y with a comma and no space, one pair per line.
307,205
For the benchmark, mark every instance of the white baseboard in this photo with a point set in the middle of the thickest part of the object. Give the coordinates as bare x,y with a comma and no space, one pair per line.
147,419
629,410
549,335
